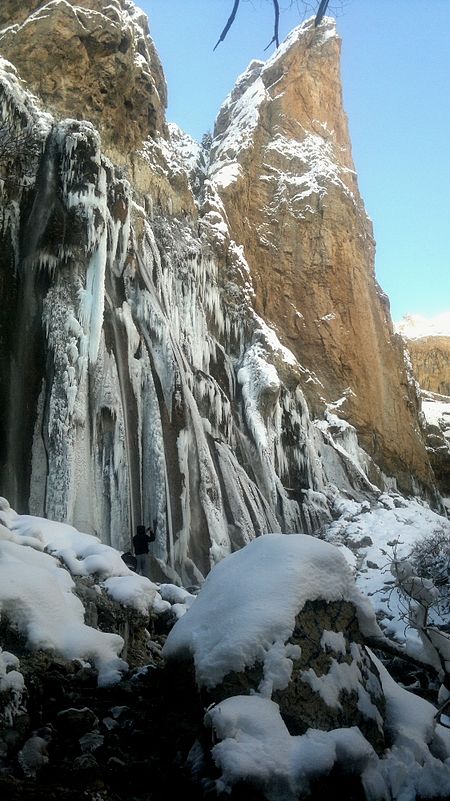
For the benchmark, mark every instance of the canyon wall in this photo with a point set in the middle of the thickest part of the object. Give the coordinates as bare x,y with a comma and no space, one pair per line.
188,336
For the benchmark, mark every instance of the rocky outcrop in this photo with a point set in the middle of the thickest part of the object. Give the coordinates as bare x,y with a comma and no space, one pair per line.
436,420
333,684
90,60
282,165
427,341
140,383
430,359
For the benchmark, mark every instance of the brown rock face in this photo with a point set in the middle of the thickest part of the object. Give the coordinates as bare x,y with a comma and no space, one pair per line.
91,60
430,358
282,165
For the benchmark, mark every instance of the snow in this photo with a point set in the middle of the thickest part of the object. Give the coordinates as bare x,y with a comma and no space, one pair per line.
37,593
378,532
311,165
186,147
343,677
310,161
240,617
12,686
83,554
416,326
334,641
410,768
132,590
327,30
246,609
436,409
243,103
256,745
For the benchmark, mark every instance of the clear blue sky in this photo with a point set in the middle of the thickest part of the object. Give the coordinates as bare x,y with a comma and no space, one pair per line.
396,78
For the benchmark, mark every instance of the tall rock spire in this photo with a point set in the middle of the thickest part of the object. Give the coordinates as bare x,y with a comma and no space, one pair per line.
282,166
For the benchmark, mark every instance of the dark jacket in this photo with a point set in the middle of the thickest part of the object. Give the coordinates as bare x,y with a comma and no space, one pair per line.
141,541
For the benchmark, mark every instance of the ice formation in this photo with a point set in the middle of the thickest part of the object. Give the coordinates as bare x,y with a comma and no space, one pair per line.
165,396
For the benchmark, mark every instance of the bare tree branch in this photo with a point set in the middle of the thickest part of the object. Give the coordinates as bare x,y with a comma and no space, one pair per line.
229,24
321,12
393,649
276,22
323,5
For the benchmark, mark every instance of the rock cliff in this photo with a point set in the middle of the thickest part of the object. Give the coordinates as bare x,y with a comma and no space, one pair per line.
428,345
91,60
282,164
190,338
430,358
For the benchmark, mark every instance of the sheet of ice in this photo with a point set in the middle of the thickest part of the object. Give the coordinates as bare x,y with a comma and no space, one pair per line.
415,326
246,609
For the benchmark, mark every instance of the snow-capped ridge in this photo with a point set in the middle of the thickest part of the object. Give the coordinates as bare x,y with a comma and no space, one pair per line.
416,326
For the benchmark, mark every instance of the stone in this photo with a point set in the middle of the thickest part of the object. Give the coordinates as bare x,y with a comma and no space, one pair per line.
72,722
90,741
362,542
310,247
33,755
86,770
430,358
110,723
334,683
93,58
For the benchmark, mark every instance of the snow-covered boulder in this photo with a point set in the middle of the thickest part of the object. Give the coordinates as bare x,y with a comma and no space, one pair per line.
300,707
65,592
282,618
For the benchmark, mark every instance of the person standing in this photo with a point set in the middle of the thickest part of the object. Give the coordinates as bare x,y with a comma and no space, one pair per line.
141,541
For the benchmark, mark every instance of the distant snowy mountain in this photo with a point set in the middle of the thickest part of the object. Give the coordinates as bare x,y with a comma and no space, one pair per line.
415,326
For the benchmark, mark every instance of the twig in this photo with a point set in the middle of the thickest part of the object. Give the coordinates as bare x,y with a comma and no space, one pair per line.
276,24
229,23
321,12
390,647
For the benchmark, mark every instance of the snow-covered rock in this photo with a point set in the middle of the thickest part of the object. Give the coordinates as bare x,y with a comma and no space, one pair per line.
276,638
